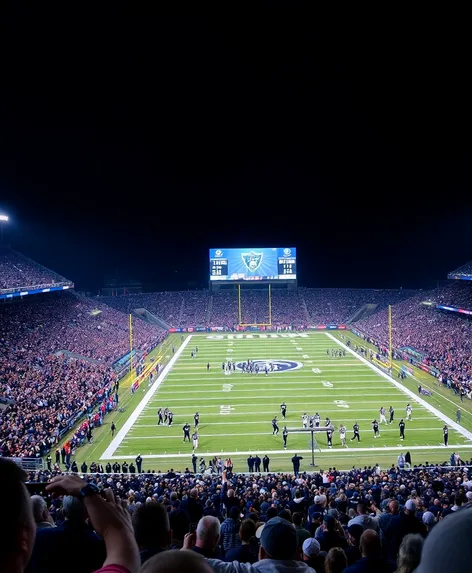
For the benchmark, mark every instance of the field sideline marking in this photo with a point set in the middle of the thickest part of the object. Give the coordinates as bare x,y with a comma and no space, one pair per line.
115,443
340,450
406,391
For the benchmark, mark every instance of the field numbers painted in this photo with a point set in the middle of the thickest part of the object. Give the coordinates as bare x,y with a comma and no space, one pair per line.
316,371
227,387
306,356
327,384
299,348
341,404
225,410
309,361
230,350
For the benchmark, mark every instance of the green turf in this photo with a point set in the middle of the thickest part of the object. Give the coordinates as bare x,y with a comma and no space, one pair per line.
254,400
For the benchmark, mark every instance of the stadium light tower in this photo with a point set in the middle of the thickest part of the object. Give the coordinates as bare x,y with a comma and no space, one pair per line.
3,220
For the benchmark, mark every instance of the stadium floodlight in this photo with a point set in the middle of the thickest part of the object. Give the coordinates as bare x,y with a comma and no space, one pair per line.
3,220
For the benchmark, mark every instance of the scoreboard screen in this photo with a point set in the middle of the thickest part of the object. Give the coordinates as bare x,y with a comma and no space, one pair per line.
253,264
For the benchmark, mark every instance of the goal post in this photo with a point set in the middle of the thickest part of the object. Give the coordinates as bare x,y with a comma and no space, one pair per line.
269,304
312,431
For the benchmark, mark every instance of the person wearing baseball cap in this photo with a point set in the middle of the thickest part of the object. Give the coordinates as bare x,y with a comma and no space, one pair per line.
277,553
312,554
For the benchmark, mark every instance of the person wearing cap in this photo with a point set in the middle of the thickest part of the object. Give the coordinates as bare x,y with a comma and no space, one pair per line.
312,554
277,553
402,524
429,520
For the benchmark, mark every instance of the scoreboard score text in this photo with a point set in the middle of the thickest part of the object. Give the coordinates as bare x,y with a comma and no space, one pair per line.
253,264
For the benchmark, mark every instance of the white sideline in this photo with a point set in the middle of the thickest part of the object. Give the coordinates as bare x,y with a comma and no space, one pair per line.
115,443
339,450
408,392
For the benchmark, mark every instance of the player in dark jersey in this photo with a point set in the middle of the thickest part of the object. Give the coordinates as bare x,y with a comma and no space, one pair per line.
375,427
196,419
355,429
166,415
392,414
275,426
186,429
329,435
446,434
208,367
159,417
327,422
284,436
283,409
223,366
171,418
401,425
312,422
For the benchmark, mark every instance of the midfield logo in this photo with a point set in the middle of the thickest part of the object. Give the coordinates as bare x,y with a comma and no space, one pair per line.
252,260
278,365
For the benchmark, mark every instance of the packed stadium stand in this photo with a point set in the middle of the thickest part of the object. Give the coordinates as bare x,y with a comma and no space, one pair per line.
19,272
462,273
445,338
363,520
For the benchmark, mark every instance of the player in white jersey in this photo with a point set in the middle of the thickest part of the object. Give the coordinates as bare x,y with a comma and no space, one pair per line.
305,420
382,415
342,435
409,410
195,440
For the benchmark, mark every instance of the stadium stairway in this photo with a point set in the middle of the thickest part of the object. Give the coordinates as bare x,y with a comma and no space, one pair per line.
363,312
181,312
209,310
69,354
303,304
150,318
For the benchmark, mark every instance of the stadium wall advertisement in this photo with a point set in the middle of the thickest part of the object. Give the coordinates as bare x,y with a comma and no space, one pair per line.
258,328
8,294
412,356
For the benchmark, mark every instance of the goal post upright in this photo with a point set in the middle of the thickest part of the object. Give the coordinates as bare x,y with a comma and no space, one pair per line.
313,431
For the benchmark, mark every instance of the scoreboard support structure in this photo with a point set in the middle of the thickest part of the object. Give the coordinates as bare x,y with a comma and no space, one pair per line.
255,324
312,431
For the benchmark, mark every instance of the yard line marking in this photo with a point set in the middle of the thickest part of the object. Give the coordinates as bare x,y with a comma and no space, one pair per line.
337,450
408,392
192,399
229,423
277,405
268,433
310,390
115,443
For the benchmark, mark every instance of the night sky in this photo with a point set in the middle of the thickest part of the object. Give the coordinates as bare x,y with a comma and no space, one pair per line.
131,143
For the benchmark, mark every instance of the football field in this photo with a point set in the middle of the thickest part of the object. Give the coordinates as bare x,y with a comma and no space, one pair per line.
236,409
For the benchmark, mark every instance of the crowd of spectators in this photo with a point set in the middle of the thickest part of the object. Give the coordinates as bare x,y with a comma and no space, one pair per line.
336,306
445,338
357,521
18,272
66,321
298,307
167,306
45,386
464,271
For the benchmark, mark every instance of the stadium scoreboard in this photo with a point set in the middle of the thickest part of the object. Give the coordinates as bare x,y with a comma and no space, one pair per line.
253,264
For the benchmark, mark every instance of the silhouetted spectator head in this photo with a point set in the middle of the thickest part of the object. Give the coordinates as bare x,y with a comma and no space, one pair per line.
336,560
151,526
278,540
17,529
409,554
172,561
